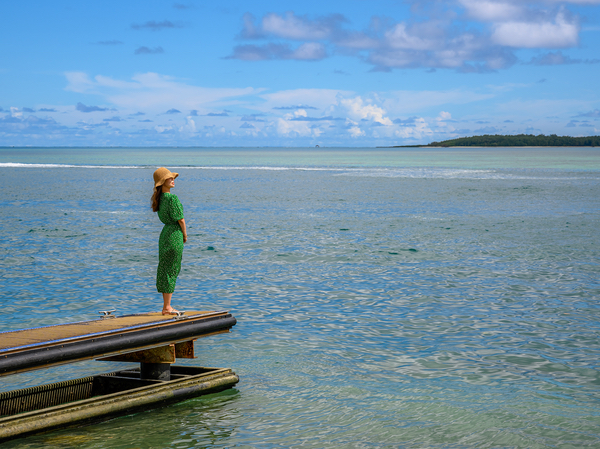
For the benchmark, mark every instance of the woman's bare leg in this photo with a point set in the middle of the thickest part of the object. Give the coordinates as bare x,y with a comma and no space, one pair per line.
167,309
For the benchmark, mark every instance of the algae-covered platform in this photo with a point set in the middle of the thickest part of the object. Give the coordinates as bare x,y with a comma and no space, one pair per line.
153,340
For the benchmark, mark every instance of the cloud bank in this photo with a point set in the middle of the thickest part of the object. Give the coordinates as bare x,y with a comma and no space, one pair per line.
469,36
241,115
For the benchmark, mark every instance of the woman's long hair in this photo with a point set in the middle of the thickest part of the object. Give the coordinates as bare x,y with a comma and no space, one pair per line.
156,199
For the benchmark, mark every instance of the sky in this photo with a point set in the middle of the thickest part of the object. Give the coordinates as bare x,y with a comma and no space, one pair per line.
349,73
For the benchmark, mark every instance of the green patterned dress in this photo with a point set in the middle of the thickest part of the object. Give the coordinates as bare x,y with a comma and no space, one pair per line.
170,243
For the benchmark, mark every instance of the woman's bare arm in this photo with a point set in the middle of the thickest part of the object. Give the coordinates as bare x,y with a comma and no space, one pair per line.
183,229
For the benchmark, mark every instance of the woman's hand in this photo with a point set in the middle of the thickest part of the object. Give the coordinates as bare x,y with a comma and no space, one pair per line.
183,229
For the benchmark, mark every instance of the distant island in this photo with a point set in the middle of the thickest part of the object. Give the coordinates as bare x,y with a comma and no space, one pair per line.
519,140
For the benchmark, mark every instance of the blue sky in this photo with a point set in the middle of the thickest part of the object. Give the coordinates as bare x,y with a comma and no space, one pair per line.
276,73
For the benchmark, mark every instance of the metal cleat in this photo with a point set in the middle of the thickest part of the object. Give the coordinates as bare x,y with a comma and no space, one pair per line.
107,313
180,315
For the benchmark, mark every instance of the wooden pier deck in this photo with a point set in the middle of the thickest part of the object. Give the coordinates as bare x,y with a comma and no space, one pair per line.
42,347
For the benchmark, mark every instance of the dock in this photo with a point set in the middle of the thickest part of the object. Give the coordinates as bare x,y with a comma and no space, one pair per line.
153,340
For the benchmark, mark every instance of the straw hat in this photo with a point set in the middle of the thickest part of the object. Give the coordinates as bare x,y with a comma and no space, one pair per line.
161,175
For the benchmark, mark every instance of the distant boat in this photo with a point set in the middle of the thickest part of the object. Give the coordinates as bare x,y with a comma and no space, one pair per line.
317,146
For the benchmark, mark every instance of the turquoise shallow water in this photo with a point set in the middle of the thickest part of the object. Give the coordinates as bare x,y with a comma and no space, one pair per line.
568,158
385,298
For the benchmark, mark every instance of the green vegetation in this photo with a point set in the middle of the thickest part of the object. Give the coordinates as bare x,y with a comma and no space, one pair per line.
520,140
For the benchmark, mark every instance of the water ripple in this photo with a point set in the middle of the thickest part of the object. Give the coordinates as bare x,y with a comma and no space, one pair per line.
372,311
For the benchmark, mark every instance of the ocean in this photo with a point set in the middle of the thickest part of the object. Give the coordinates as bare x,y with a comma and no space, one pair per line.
406,298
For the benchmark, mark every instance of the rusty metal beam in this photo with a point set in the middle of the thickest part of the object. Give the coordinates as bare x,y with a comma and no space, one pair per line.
185,350
162,354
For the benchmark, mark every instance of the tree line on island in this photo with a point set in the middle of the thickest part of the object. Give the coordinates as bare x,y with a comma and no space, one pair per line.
519,140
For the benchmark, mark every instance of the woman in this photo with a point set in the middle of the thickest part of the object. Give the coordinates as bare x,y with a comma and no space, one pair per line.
172,237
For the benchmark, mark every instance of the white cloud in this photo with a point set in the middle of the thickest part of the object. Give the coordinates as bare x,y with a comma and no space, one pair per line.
357,109
319,98
161,129
355,131
557,58
417,131
357,41
562,33
287,117
400,37
578,2
79,82
404,102
309,51
292,128
492,11
189,127
153,92
444,116
300,113
448,40
433,43
291,26
106,81
544,107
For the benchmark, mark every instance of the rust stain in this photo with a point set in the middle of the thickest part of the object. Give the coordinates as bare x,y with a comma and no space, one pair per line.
161,354
185,349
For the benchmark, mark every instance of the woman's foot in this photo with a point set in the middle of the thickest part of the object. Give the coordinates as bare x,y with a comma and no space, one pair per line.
169,311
